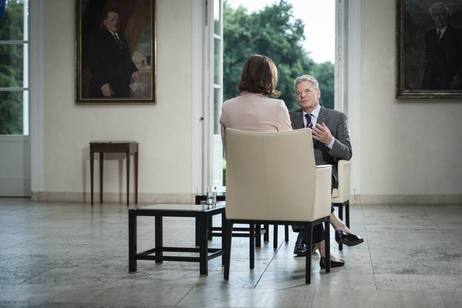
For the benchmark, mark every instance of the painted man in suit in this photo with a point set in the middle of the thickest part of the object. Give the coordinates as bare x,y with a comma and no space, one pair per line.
110,63
331,144
443,52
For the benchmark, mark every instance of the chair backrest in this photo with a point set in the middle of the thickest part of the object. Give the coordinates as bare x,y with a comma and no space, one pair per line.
270,176
344,179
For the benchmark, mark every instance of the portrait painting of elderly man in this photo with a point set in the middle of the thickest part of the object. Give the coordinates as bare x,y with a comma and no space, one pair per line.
429,49
115,51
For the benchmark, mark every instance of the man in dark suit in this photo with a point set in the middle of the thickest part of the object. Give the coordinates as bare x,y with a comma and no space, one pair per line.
331,144
110,63
443,52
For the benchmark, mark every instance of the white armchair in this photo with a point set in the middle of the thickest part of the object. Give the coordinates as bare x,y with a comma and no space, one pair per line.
272,178
341,195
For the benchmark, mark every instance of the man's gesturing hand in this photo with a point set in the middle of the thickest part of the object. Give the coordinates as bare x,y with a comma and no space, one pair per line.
322,133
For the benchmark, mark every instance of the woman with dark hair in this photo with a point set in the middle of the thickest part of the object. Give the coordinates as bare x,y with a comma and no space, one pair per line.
255,109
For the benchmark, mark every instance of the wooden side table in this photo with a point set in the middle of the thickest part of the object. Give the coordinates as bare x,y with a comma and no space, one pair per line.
127,147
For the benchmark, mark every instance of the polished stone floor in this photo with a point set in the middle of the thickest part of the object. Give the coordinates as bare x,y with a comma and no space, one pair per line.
73,255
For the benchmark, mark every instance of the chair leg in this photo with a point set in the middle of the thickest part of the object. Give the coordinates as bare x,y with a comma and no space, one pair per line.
327,236
266,234
252,246
340,210
340,216
227,230
223,238
347,213
309,243
275,236
286,233
258,235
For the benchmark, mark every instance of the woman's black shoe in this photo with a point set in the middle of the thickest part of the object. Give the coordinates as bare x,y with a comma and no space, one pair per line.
348,239
333,263
300,246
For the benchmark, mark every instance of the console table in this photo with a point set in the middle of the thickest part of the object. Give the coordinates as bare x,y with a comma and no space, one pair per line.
201,212
127,147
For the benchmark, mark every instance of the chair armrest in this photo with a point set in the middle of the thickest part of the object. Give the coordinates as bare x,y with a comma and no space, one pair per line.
344,163
344,174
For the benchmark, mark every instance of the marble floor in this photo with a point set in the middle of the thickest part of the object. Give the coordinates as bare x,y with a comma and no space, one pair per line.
74,255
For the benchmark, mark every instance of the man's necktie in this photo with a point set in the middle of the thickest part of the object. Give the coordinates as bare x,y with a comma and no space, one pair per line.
308,120
116,38
439,32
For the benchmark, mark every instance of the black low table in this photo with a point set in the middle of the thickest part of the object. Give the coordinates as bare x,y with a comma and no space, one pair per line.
201,212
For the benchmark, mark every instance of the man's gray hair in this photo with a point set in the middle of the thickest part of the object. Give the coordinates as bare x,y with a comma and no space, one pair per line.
306,78
437,5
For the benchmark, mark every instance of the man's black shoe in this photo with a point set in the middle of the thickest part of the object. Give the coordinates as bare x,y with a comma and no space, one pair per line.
333,263
300,246
348,239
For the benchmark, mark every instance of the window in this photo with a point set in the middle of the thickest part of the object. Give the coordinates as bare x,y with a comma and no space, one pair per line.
217,148
218,63
14,74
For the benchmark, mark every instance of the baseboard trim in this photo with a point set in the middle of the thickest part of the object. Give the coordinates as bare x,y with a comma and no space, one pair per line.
111,197
189,198
407,199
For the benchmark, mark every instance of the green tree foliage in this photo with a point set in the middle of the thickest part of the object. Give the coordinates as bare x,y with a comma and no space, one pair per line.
274,32
324,73
11,68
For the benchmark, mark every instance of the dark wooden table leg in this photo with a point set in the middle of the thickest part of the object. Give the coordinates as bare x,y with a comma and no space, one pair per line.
132,241
136,177
197,230
128,178
92,156
203,245
158,244
101,160
209,228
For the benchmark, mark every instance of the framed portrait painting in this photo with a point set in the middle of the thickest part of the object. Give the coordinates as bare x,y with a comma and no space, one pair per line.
429,49
115,51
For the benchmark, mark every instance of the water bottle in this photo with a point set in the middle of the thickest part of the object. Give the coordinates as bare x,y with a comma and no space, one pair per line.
209,196
214,196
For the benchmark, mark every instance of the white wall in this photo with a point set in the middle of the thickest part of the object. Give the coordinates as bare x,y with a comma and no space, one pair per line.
410,149
163,130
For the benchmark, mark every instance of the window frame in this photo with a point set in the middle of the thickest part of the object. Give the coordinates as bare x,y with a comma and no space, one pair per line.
25,89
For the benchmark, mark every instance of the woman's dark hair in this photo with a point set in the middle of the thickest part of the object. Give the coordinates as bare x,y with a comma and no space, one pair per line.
259,75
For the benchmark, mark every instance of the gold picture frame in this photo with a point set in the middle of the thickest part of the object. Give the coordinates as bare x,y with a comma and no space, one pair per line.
429,61
115,51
